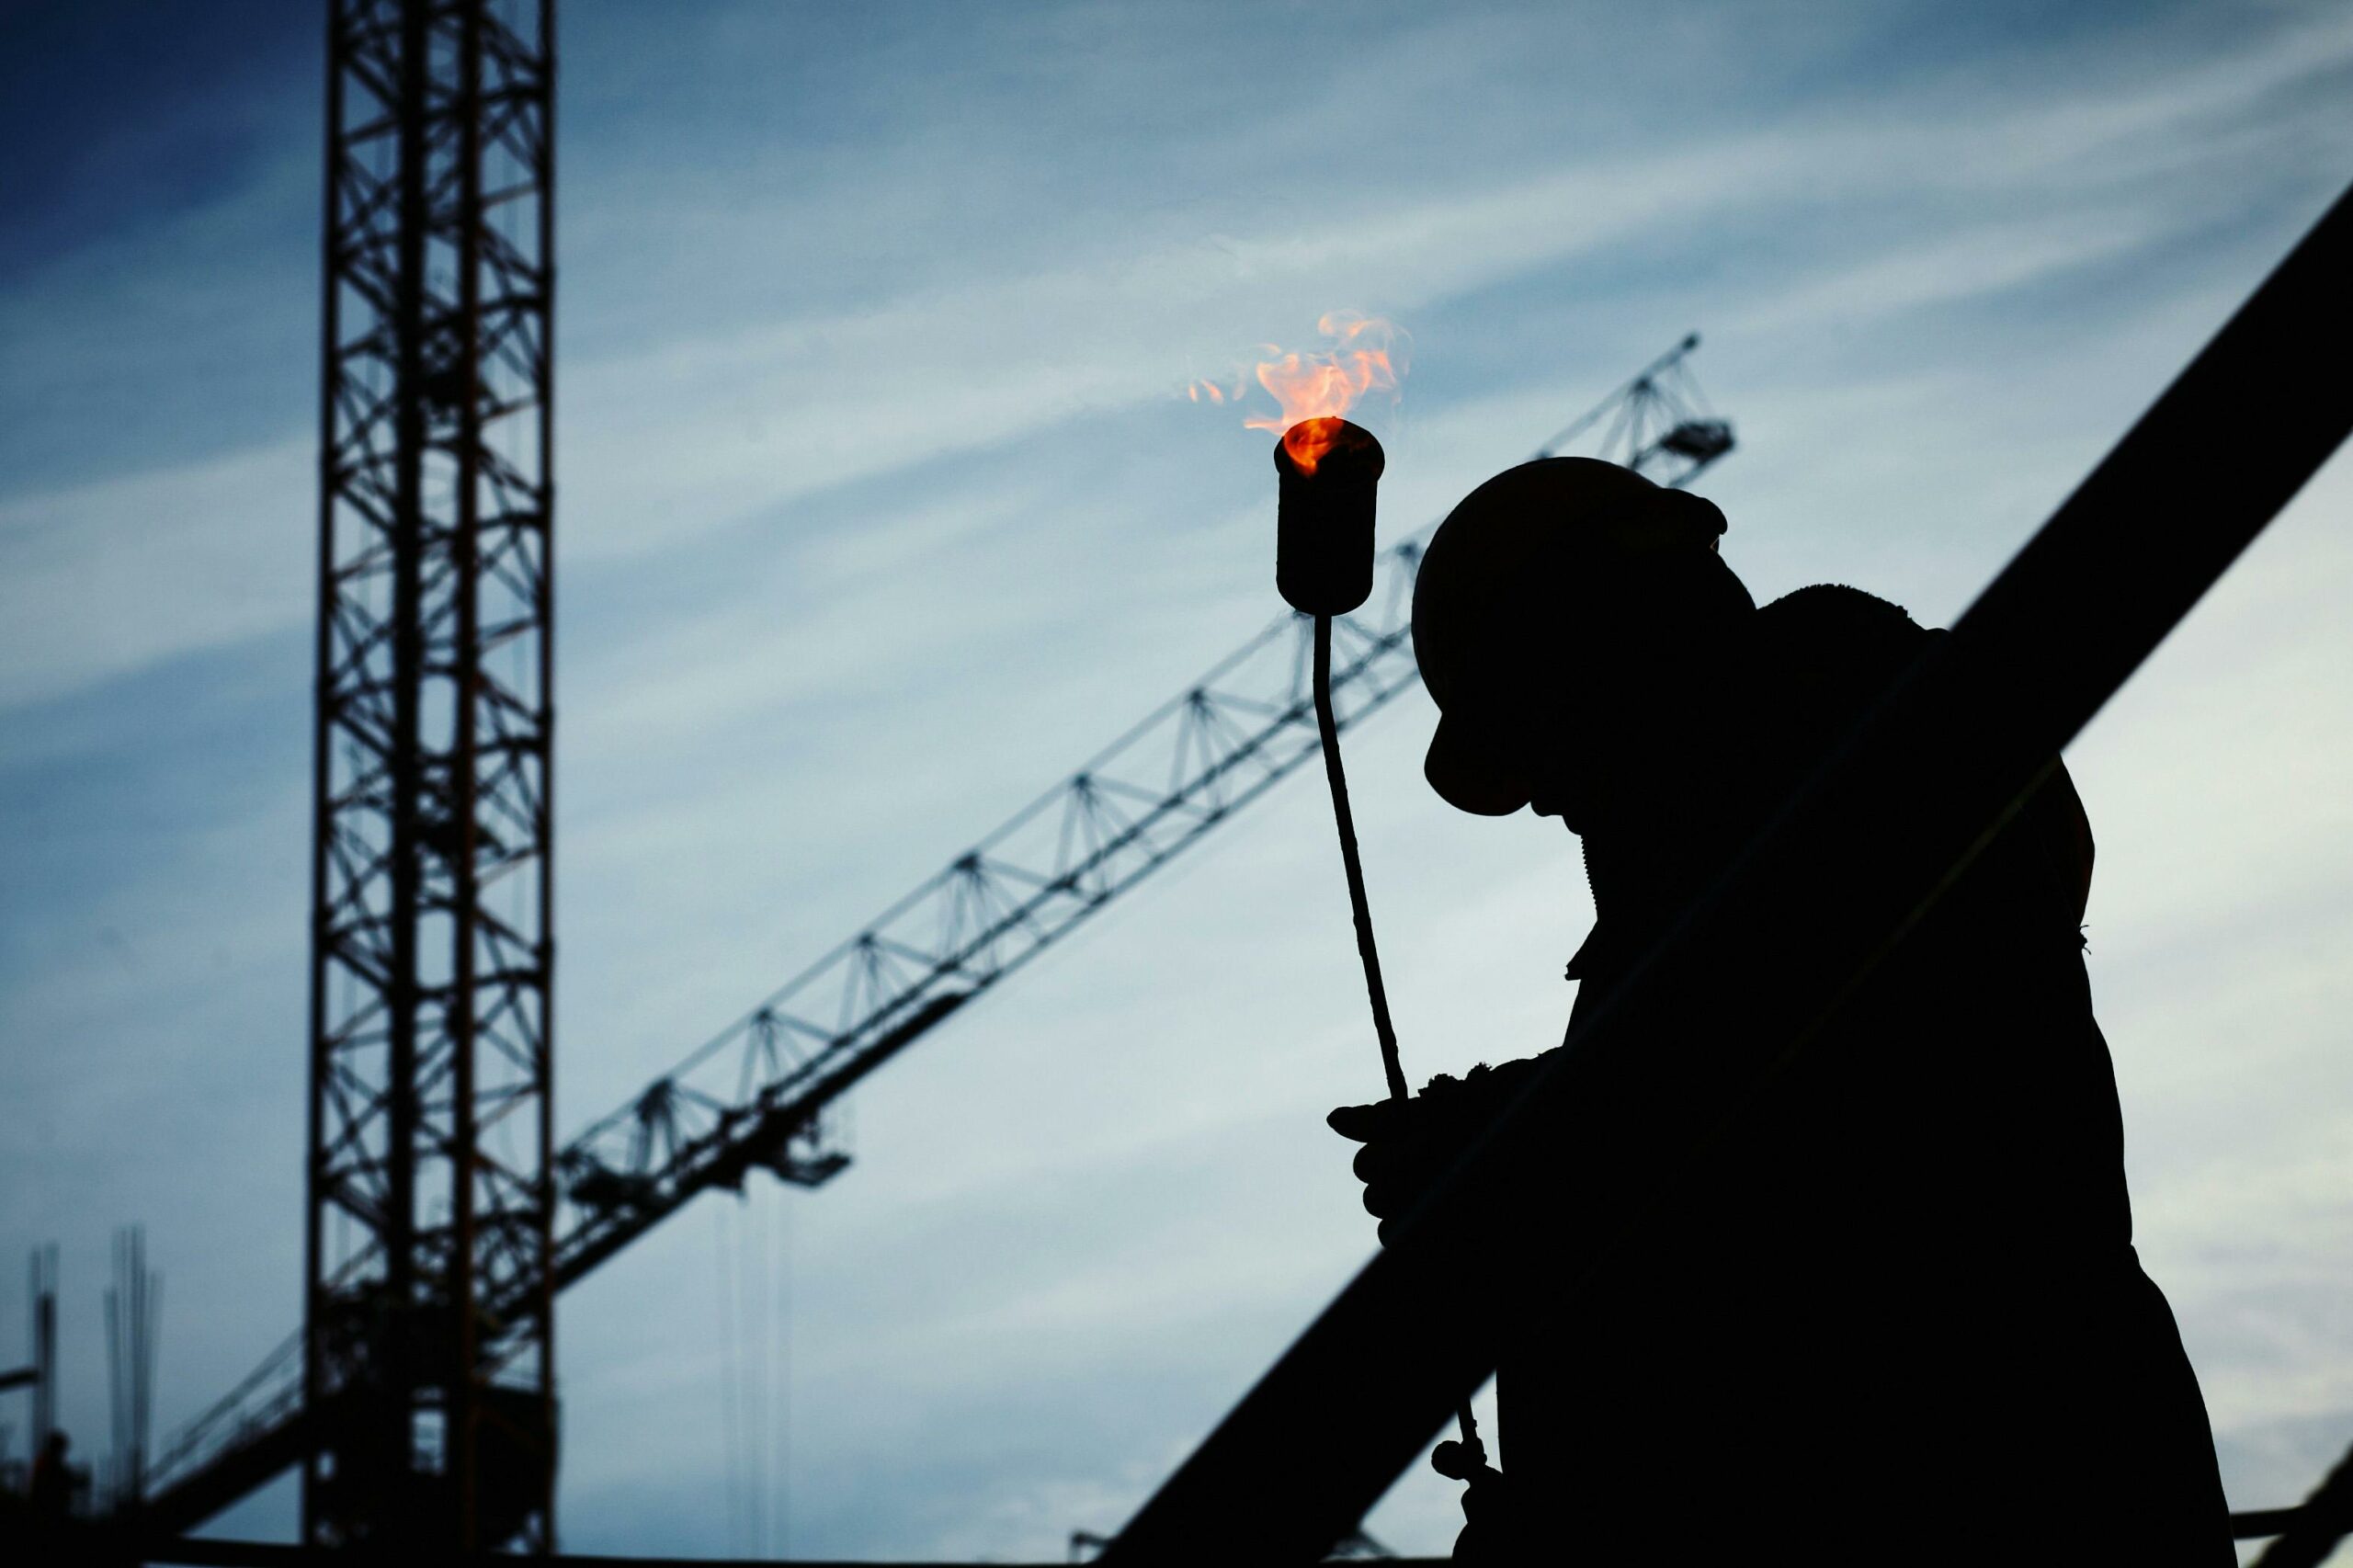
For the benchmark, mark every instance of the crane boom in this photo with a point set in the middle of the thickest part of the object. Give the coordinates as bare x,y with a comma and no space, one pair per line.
753,1094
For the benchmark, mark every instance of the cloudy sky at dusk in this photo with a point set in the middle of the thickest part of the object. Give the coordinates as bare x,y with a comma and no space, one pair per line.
881,507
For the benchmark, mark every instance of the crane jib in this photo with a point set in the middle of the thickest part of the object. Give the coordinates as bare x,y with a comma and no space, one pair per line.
737,1101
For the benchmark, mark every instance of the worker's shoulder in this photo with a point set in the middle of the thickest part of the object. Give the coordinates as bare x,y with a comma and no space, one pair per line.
1820,657
1832,638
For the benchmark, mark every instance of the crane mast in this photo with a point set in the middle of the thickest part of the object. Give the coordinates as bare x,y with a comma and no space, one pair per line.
753,1096
426,1365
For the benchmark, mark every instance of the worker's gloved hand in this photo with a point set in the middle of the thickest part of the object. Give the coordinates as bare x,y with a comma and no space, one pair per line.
1498,1528
1409,1143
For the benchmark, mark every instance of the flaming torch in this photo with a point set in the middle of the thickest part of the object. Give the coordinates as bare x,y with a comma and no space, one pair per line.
1328,470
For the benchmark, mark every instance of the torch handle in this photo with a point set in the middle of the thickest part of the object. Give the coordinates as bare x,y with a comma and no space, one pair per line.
1327,730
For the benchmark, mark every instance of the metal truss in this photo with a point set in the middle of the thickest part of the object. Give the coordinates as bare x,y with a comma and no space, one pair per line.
429,1197
753,1096
1658,423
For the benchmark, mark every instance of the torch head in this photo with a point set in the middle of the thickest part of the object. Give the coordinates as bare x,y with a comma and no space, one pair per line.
1328,470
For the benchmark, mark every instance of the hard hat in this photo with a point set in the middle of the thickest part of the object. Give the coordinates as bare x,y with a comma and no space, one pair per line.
1559,549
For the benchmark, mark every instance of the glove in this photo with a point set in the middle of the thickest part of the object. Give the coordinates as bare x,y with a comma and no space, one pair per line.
1409,1143
1498,1528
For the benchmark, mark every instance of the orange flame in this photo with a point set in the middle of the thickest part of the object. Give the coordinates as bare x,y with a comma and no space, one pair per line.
1315,388
1310,441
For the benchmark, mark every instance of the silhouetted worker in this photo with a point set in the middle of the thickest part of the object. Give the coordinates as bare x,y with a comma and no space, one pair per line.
51,1488
1903,1319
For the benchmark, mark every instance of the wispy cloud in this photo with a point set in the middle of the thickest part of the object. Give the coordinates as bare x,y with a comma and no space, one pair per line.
667,443
879,512
111,577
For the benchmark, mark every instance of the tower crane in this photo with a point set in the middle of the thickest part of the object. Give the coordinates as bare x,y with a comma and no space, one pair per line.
753,1096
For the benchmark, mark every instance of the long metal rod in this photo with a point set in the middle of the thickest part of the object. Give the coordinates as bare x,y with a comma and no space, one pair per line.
541,1311
1327,731
461,1372
1976,725
319,1064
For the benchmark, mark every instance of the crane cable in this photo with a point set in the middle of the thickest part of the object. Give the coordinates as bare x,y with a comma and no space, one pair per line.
780,1323
730,1372
755,1270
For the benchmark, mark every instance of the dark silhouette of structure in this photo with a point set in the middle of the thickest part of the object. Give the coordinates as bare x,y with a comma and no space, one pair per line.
134,1309
1920,1290
427,1367
40,1374
50,1492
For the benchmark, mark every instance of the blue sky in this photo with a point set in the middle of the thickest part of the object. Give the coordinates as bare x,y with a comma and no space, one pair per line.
881,507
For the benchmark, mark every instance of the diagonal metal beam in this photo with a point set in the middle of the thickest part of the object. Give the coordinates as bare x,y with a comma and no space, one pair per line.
1974,726
2308,1533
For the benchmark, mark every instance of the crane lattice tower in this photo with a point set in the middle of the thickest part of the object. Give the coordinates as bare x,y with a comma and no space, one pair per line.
432,954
